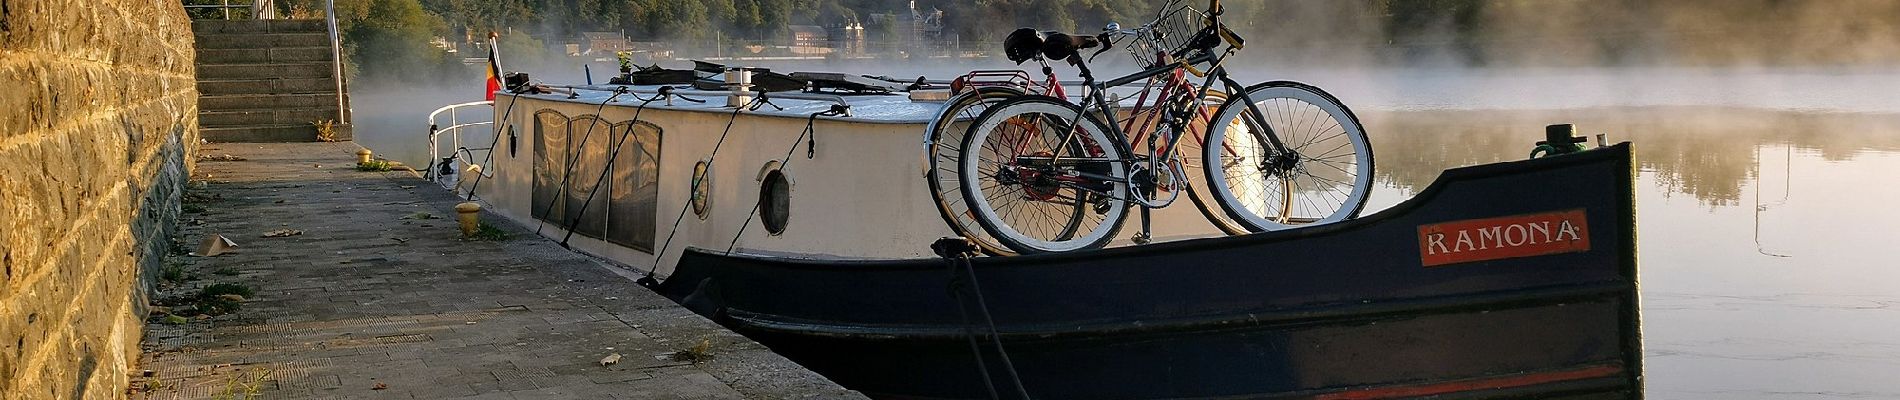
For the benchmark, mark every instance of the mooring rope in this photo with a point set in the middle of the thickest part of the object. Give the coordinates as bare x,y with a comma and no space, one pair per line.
659,254
956,253
615,155
809,136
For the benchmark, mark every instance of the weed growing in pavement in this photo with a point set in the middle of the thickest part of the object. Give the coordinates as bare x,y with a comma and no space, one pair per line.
375,166
488,232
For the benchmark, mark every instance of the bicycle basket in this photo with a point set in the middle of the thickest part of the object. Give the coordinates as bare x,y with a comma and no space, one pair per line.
1170,32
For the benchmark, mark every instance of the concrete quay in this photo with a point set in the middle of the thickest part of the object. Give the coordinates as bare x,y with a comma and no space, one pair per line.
379,297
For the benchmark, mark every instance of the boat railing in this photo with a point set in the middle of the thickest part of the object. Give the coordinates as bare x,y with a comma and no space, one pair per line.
824,97
448,121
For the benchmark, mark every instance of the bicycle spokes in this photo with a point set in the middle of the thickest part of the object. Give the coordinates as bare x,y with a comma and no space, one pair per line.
1318,172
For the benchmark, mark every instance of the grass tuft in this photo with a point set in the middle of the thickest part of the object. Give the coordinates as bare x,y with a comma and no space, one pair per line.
375,166
488,232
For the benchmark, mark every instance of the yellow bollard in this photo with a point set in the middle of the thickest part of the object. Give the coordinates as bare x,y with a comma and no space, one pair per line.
362,156
469,215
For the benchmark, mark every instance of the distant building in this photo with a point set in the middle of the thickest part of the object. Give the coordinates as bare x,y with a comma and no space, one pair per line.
809,39
916,30
444,44
847,37
603,42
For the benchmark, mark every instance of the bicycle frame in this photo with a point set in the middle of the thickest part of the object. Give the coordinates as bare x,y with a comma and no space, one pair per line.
1096,101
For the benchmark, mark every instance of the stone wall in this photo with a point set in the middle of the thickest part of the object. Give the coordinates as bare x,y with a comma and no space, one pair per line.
98,127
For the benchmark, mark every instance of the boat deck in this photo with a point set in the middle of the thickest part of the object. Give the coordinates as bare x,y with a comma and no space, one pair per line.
895,108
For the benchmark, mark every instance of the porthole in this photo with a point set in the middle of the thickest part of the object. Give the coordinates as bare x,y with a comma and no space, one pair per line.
702,190
775,196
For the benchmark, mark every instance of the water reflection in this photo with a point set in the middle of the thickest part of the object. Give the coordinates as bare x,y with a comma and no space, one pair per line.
1765,237
1707,153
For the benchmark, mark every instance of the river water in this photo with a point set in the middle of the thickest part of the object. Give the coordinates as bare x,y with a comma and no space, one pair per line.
1768,203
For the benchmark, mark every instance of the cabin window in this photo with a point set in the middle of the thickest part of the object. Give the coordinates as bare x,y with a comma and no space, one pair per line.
586,210
775,201
569,186
550,159
702,189
635,185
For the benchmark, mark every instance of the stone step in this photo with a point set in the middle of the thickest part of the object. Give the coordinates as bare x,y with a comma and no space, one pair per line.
278,55
267,86
241,102
270,134
262,40
282,116
264,71
210,27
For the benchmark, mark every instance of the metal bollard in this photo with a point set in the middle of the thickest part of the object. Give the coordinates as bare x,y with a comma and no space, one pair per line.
468,214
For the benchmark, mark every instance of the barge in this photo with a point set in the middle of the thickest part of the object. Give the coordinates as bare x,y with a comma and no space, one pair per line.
802,221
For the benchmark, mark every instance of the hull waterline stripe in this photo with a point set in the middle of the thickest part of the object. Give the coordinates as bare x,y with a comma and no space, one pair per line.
1504,382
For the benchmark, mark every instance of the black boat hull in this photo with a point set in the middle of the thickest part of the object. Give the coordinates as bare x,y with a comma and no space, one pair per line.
1391,305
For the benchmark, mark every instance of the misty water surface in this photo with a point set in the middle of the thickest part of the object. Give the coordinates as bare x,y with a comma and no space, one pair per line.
1767,223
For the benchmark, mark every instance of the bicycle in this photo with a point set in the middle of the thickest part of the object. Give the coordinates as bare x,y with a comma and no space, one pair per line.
975,91
1043,175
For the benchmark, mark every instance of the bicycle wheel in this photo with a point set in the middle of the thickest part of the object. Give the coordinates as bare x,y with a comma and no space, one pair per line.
943,142
1323,180
1191,151
1027,198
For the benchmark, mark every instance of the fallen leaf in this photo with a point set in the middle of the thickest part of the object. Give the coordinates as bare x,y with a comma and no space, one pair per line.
380,386
610,360
231,297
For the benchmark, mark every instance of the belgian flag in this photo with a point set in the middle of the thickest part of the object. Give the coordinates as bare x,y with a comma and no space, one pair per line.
494,66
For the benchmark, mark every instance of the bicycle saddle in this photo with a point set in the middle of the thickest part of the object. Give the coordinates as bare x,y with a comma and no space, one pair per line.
1061,46
1022,45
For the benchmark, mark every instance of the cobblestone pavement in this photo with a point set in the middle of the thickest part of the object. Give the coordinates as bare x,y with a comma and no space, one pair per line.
375,300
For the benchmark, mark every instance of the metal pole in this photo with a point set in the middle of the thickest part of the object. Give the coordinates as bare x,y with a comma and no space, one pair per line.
336,60
227,9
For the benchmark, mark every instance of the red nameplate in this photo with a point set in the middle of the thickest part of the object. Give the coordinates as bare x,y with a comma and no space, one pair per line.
1503,237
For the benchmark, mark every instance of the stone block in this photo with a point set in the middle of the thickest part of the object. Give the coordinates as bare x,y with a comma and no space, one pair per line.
265,71
267,86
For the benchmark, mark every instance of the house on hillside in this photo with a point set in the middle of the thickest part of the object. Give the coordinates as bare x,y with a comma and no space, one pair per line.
809,39
603,42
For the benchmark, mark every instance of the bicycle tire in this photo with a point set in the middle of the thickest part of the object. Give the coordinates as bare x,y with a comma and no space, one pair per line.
1010,230
943,140
1197,192
1280,108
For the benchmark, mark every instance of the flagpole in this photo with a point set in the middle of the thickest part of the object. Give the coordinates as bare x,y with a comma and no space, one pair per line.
494,65
494,51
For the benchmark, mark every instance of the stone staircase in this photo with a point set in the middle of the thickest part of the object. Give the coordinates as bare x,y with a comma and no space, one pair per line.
266,81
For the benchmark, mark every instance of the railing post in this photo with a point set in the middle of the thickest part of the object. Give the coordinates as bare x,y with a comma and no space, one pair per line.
227,9
336,60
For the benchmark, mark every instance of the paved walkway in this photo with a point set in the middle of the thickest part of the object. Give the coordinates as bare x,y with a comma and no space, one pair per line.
372,302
